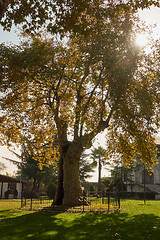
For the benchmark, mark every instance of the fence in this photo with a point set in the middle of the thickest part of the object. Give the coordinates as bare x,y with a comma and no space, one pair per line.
138,195
36,203
93,202
102,202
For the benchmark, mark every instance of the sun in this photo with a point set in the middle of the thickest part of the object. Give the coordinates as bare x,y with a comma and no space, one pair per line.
142,40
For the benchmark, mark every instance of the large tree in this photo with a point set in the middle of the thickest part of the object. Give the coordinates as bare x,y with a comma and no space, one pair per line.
78,88
61,15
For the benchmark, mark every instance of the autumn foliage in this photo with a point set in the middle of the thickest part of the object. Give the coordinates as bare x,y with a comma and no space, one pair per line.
77,87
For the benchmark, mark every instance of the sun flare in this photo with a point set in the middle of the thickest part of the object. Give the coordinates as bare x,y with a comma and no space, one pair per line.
142,40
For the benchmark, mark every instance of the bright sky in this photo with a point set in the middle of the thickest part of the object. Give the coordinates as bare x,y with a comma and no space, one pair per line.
151,16
10,168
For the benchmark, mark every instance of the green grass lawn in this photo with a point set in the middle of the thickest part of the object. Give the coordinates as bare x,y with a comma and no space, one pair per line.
135,221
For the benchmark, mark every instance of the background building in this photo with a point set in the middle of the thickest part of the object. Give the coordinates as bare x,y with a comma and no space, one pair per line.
10,187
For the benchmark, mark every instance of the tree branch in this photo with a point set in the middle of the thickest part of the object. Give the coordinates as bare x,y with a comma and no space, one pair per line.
89,99
87,138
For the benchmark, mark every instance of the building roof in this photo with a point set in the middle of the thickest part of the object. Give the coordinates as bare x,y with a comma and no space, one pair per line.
4,178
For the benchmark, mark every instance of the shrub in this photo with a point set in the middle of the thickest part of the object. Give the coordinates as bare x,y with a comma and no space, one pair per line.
7,194
91,188
15,194
30,194
51,190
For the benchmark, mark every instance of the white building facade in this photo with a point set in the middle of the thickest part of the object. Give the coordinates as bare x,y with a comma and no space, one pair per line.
10,187
141,178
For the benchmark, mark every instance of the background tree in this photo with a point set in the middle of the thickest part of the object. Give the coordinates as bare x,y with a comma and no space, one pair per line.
78,89
30,171
98,156
106,182
118,177
85,167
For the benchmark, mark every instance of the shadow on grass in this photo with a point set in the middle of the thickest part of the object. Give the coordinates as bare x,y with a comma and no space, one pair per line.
89,226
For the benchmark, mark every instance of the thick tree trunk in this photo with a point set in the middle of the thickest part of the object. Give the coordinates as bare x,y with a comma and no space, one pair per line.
3,7
71,180
69,191
62,140
59,190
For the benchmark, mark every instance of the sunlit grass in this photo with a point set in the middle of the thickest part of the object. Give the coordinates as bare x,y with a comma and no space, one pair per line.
10,204
94,207
136,221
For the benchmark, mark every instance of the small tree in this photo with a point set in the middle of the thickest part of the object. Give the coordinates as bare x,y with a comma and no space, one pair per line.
31,171
120,175
85,168
98,156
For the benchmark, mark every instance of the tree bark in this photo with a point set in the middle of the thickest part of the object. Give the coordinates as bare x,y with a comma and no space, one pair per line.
62,140
99,176
59,189
3,7
69,191
71,179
